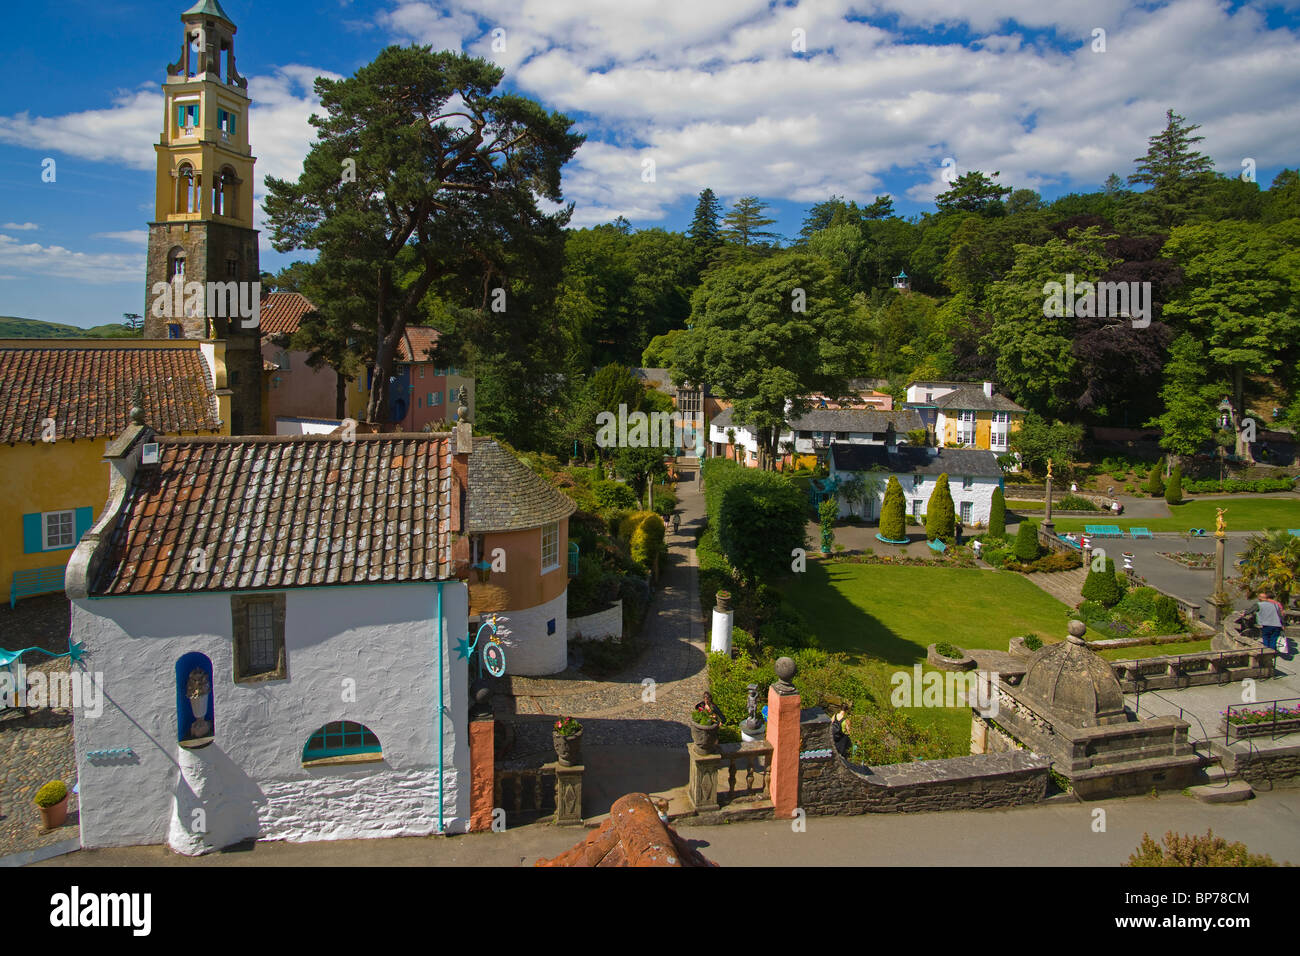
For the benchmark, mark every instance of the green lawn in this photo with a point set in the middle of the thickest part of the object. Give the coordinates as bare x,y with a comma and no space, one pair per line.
1247,514
884,616
1013,505
1154,650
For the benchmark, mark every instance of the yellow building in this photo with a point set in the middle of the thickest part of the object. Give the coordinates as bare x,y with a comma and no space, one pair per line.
966,414
61,402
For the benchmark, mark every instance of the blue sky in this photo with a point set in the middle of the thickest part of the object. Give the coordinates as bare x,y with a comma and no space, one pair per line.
716,93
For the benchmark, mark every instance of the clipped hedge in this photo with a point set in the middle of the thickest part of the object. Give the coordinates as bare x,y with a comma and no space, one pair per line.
893,513
998,514
940,512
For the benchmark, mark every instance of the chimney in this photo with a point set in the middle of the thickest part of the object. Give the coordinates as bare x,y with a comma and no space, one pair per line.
988,389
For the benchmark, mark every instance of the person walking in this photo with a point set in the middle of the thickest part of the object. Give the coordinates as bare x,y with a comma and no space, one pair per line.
677,521
1268,615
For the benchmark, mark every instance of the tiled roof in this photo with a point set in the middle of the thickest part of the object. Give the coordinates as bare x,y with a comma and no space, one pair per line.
506,495
916,459
279,512
972,398
857,420
281,313
660,379
89,390
415,344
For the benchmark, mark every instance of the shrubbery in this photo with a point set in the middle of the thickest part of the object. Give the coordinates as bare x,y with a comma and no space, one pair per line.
1184,850
1026,548
1103,587
1049,563
759,520
940,513
611,495
893,512
1237,485
998,515
1174,490
1155,485
1075,503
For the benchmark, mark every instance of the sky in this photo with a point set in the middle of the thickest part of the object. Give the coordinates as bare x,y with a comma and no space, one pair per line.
788,101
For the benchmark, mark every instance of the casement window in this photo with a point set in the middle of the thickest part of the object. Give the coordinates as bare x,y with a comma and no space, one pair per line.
550,547
437,398
55,530
187,115
967,512
1001,429
452,395
966,428
258,629
421,371
429,399
226,122
342,738
917,505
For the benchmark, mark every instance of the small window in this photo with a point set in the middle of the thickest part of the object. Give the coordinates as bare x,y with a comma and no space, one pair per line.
58,530
550,547
917,505
342,738
917,481
173,330
452,395
429,400
178,266
187,115
258,630
550,626
967,482
421,371
232,267
841,436
437,398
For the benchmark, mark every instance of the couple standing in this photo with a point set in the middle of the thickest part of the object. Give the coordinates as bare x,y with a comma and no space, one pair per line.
1270,616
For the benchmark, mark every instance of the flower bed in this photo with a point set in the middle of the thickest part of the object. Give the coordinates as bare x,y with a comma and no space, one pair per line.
1256,723
1195,560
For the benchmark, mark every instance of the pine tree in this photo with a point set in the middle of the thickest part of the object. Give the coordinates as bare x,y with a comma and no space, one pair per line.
745,222
1174,490
998,515
1026,547
1176,173
940,513
705,231
893,513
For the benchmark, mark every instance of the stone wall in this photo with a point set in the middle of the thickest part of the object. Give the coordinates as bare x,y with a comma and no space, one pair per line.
1265,769
829,784
599,626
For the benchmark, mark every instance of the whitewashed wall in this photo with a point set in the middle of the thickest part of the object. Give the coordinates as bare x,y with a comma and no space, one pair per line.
980,495
530,651
250,781
598,626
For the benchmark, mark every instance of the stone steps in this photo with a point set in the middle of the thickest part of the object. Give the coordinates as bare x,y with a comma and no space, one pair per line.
1232,791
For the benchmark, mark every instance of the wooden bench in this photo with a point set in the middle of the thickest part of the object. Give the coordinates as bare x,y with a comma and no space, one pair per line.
35,581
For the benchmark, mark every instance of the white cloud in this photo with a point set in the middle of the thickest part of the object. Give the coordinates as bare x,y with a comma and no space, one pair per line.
57,262
20,226
137,237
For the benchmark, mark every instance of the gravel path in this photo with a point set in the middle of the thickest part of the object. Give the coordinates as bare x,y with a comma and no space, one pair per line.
646,704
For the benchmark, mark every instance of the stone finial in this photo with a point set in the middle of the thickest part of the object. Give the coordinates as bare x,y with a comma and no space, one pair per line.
481,708
462,410
137,406
1077,629
785,671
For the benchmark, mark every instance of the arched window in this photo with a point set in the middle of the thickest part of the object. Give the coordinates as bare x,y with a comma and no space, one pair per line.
223,193
186,200
176,263
195,704
343,738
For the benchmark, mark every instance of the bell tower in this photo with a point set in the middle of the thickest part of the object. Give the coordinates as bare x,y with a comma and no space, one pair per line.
202,244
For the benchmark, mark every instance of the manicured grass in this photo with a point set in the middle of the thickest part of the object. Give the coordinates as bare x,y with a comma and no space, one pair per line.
1013,505
1154,650
1246,514
883,617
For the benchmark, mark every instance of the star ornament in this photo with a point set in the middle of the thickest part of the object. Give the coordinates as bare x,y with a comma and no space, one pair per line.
462,649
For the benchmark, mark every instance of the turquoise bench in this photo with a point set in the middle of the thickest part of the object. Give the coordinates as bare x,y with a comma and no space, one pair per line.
1103,530
938,546
1139,533
1074,544
1294,532
35,581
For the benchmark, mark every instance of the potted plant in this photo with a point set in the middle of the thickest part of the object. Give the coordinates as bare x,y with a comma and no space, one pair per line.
704,731
52,801
567,737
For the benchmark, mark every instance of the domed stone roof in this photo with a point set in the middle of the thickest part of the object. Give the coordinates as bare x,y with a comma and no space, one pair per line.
1071,682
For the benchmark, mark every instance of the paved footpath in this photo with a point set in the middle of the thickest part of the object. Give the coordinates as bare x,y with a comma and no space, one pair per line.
622,710
1051,834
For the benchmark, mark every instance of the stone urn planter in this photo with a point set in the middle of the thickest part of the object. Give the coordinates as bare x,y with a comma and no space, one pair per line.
704,736
52,801
568,742
963,663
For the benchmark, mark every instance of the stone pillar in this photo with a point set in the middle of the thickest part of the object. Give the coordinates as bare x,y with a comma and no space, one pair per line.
568,795
723,619
482,776
1047,524
1220,542
702,789
783,735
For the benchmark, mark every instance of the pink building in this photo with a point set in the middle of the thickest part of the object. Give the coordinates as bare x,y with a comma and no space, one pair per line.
293,389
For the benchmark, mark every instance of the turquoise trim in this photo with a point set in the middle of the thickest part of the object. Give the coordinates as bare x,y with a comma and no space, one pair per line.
32,542
346,736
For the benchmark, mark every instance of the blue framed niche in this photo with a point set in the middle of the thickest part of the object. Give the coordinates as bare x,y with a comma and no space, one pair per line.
194,693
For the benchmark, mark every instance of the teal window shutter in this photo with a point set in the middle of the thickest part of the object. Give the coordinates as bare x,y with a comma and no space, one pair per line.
32,542
82,521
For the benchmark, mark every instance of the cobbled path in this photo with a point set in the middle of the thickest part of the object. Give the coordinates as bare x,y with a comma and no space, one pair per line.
37,749
648,702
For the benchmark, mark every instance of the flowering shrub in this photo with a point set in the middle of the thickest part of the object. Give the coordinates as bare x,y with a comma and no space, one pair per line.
567,727
1262,716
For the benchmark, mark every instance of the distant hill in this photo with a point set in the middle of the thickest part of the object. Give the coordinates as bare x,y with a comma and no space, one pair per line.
13,327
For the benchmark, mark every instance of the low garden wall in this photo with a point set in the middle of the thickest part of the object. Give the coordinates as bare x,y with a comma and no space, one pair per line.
830,785
599,626
1264,769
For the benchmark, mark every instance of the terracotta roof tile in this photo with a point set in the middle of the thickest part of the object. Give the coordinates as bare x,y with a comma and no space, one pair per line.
277,512
415,344
88,390
281,313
